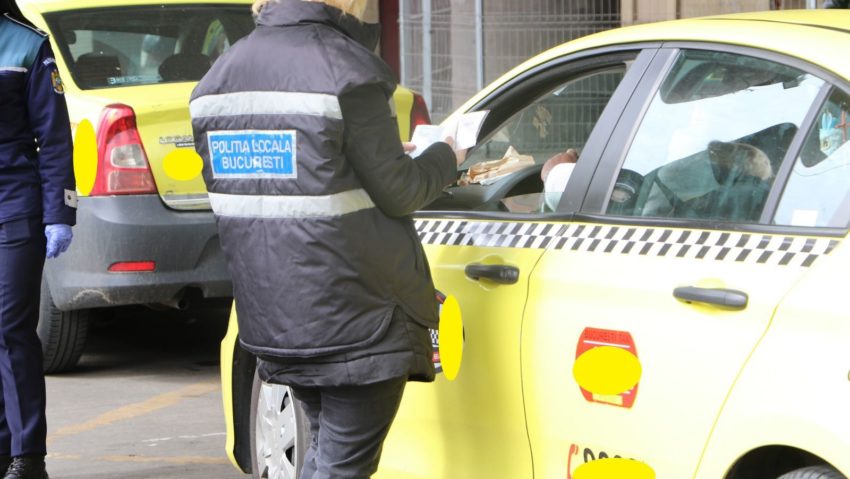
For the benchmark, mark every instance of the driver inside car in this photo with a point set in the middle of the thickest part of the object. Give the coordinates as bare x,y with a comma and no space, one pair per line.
743,173
555,174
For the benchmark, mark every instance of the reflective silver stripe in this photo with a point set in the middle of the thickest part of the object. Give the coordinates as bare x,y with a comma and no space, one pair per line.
256,206
187,202
265,103
13,69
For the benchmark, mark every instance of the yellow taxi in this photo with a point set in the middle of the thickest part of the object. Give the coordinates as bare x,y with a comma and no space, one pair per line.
675,309
145,234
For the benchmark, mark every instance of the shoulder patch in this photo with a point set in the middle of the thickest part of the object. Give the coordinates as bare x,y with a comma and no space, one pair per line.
56,81
28,27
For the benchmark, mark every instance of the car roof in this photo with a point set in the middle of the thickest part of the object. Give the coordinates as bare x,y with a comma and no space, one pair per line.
820,37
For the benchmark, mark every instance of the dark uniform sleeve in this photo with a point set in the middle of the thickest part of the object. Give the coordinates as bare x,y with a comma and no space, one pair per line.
397,183
48,118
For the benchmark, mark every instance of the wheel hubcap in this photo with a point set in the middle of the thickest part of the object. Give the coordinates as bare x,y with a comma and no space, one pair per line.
276,432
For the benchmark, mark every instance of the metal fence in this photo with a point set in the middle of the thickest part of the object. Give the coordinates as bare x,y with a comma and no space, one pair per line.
450,49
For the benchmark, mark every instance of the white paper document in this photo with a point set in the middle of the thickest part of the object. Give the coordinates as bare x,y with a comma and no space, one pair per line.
464,129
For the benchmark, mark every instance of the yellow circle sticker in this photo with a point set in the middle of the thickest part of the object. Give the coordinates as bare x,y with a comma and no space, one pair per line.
607,370
85,157
451,337
614,467
183,164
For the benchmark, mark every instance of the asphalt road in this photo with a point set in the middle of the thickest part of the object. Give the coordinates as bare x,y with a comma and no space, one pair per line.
144,402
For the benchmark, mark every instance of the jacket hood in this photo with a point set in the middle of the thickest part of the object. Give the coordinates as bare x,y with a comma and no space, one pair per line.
299,12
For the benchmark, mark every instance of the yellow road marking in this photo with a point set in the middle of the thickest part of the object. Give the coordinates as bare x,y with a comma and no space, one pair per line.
137,409
64,457
166,459
181,460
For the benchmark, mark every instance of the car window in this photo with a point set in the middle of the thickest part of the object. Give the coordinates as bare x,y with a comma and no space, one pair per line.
110,47
818,189
713,138
542,127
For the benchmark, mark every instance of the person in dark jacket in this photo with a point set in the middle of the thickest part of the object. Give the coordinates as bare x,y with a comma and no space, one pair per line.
312,191
37,210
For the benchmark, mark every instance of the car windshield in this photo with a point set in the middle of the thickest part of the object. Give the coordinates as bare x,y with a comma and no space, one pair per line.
114,47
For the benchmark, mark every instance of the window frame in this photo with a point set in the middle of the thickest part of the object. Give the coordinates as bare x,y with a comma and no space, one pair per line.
596,202
53,20
510,97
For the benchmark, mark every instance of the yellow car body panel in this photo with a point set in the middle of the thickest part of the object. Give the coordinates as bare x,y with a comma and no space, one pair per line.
678,345
795,388
227,353
485,399
403,100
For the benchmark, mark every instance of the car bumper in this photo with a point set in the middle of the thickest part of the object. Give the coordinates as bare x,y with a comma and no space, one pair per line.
183,245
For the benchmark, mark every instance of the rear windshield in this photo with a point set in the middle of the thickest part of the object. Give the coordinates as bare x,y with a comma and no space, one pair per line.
115,47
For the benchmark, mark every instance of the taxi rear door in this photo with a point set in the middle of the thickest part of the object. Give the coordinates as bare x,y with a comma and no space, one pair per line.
483,243
641,315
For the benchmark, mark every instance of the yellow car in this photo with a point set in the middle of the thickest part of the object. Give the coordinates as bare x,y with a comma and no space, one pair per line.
677,310
145,234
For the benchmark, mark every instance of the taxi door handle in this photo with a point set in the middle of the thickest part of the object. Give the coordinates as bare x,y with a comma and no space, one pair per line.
497,273
727,298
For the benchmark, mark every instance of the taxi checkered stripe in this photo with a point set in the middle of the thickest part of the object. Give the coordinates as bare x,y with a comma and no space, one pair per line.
675,243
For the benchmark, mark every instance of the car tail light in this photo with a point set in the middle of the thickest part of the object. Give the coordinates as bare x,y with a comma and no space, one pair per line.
419,113
132,267
122,165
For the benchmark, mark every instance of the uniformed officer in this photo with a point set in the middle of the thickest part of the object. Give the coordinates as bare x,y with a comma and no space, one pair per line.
37,210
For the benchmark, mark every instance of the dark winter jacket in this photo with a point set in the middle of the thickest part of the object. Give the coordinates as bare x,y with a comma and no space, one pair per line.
311,188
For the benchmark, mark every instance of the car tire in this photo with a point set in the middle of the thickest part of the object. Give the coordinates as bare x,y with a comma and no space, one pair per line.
280,432
63,334
813,472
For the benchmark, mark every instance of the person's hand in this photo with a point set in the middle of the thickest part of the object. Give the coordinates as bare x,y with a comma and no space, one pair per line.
408,147
460,155
569,156
58,239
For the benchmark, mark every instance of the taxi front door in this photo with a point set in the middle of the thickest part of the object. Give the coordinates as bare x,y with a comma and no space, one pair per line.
642,314
473,426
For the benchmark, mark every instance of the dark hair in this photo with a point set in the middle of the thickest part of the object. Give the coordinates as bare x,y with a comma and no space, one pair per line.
10,8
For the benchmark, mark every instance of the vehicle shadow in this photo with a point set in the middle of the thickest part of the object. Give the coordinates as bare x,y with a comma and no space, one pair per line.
125,339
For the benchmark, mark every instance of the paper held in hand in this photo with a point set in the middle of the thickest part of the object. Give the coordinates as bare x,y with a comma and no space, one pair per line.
464,129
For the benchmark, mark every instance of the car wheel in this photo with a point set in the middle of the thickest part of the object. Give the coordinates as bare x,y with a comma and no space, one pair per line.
63,334
280,433
813,472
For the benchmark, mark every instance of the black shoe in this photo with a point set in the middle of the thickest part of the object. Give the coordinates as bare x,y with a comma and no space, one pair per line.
5,461
27,467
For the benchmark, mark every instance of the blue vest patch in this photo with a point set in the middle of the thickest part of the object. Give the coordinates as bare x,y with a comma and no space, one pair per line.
252,154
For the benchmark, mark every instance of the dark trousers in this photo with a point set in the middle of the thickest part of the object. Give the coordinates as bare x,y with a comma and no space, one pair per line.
349,425
23,427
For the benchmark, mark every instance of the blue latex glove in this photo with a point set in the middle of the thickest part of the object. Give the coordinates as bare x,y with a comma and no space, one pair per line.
58,239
